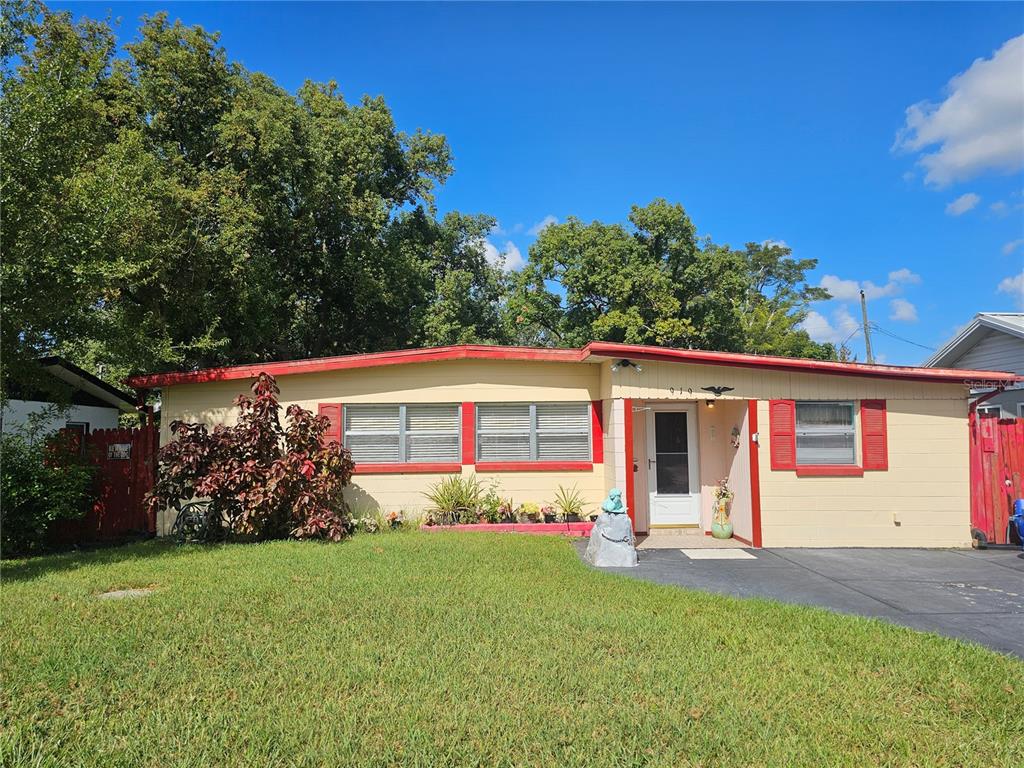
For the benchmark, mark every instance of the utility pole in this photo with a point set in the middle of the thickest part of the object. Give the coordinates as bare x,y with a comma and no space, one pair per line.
867,334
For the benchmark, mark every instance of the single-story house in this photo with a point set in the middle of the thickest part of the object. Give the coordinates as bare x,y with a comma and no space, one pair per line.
818,453
90,404
992,340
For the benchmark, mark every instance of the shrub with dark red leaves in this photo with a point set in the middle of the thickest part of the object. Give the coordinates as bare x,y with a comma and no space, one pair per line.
260,479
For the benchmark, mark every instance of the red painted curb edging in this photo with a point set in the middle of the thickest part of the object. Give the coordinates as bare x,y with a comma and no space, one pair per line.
549,529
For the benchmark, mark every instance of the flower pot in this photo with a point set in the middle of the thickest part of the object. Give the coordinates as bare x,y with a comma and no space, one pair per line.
573,519
549,518
721,530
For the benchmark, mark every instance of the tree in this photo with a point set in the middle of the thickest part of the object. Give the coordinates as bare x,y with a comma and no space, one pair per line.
656,282
165,208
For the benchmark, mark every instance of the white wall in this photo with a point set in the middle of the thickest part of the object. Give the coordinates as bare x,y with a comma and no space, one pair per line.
16,414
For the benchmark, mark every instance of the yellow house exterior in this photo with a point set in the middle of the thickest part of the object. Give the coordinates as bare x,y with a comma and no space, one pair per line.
817,453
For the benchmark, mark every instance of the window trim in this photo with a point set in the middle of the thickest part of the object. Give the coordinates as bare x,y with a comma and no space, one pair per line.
983,410
405,467
853,468
534,464
1020,410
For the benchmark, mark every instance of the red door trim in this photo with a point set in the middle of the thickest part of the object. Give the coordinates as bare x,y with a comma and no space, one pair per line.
755,475
627,421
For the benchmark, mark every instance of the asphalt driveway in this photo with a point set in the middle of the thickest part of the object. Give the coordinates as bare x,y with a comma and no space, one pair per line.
972,595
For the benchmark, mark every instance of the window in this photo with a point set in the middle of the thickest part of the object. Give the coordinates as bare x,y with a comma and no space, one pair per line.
1020,410
533,432
402,434
825,433
990,411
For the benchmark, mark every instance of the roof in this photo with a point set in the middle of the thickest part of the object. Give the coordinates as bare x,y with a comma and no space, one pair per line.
595,351
1011,323
84,381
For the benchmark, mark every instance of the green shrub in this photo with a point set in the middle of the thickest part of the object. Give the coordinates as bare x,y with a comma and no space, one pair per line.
41,481
570,501
455,499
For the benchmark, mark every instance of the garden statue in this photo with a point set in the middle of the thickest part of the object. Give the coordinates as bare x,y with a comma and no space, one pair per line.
611,540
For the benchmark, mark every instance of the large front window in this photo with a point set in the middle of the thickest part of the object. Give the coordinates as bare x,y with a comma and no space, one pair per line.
533,432
402,434
825,433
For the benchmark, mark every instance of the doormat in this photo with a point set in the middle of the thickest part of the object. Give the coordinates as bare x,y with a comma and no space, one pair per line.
718,554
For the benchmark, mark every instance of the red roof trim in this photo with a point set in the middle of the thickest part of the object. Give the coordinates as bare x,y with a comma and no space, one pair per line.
369,360
592,350
664,354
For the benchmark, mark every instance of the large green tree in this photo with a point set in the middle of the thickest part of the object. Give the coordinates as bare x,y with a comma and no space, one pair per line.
655,282
164,207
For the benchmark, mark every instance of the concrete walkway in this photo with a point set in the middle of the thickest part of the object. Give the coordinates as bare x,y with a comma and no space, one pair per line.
972,595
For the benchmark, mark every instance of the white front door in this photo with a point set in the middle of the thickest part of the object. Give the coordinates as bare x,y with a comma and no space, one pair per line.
672,475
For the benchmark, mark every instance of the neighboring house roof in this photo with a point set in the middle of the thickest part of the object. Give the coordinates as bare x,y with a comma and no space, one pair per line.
595,351
983,324
84,381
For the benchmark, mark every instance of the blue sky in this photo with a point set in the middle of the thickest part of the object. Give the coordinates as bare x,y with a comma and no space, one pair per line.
767,122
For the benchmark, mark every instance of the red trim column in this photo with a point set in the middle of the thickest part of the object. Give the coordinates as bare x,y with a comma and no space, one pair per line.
468,434
627,428
597,431
755,474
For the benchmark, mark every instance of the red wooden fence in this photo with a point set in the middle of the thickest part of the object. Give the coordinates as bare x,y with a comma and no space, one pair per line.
997,474
125,464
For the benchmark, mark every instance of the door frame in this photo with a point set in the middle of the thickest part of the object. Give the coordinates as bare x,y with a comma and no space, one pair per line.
693,458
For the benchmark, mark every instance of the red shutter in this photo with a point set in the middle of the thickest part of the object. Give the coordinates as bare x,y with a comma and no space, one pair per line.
469,433
874,448
782,431
333,413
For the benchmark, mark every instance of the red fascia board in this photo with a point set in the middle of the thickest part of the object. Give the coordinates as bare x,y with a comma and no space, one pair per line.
663,354
348,362
825,470
534,466
538,354
407,469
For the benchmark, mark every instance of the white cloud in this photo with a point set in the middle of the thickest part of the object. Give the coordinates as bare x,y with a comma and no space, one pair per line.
510,255
977,127
902,310
999,208
774,243
537,228
1012,246
904,276
962,204
1014,286
834,331
849,290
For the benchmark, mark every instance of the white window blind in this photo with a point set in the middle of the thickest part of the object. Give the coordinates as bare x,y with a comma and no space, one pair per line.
533,432
825,433
401,434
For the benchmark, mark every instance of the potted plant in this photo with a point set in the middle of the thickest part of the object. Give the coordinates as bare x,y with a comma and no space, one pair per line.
507,511
395,520
721,527
570,503
550,515
529,511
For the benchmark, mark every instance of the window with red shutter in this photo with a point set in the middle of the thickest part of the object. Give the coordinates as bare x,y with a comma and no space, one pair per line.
333,413
782,431
874,448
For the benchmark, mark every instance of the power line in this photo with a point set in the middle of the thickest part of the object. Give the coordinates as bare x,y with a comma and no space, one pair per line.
890,334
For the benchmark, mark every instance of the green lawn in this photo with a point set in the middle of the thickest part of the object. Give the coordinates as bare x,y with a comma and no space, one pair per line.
465,649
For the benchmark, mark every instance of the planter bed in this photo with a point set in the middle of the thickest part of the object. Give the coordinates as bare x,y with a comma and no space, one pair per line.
556,529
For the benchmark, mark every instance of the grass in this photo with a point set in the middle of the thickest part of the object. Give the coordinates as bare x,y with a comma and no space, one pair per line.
465,649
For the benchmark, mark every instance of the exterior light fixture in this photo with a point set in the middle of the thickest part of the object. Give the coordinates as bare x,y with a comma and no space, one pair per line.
627,364
717,392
